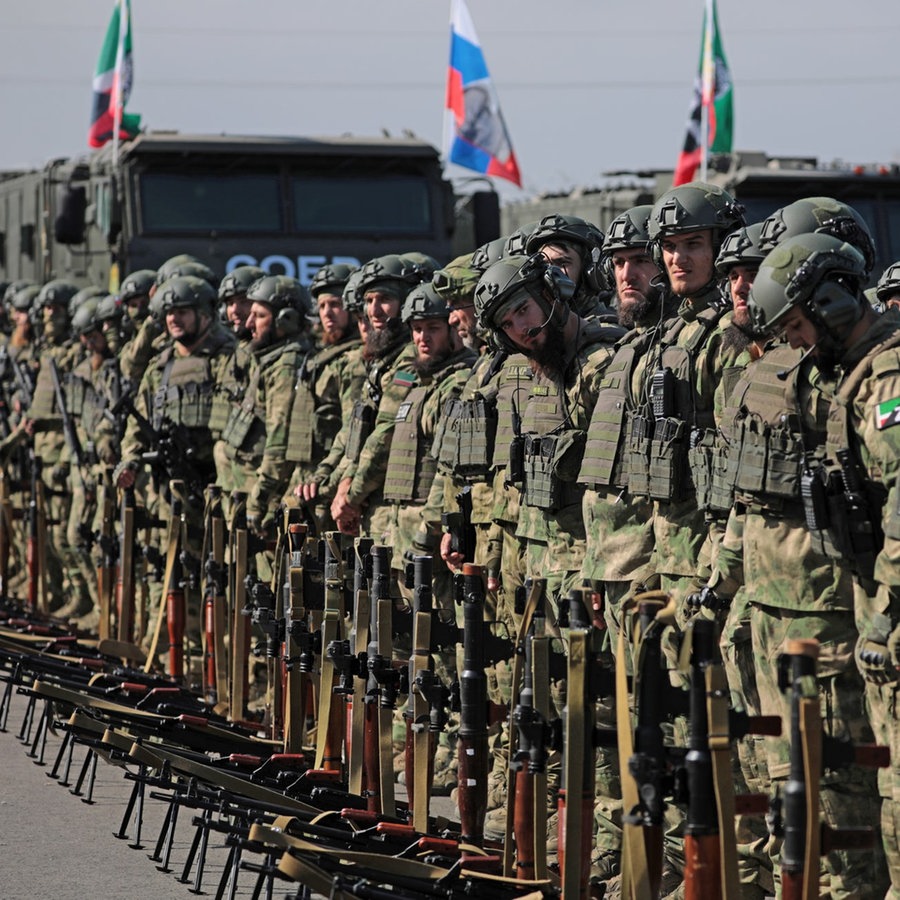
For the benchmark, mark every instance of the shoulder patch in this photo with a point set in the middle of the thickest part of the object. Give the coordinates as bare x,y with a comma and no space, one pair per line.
887,414
403,412
405,379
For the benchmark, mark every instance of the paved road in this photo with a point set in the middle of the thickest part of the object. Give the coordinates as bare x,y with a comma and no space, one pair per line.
54,845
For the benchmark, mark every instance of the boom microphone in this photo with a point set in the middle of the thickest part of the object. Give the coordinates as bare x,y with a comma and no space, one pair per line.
533,332
783,374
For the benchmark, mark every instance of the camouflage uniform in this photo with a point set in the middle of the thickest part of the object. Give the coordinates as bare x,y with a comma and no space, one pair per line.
773,429
863,420
326,385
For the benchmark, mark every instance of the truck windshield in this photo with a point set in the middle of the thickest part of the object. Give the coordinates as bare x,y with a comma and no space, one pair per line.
334,204
192,202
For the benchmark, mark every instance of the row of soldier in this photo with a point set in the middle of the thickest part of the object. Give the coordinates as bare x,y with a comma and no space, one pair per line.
658,441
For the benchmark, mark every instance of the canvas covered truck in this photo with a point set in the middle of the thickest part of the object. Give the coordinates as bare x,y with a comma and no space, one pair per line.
287,204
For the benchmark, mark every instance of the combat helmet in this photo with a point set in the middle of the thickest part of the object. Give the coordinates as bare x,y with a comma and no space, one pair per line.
457,280
391,273
487,254
889,283
696,206
186,265
351,298
515,242
137,284
84,319
80,297
331,279
819,215
57,291
424,302
510,278
288,299
238,281
820,274
24,298
186,292
740,248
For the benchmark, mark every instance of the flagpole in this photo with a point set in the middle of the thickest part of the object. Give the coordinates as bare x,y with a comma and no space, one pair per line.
707,87
117,80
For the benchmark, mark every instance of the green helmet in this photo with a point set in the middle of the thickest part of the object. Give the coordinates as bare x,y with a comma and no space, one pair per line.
14,287
457,280
58,291
487,254
288,299
424,302
515,242
510,278
137,284
186,292
740,248
423,263
85,294
109,308
23,299
331,279
392,273
189,266
237,282
84,319
628,230
889,283
351,297
555,228
821,274
819,215
697,206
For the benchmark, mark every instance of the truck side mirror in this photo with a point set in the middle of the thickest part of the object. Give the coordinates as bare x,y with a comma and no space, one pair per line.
69,226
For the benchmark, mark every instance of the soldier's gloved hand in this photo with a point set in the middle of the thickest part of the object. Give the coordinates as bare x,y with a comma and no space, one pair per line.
706,599
258,526
59,473
873,658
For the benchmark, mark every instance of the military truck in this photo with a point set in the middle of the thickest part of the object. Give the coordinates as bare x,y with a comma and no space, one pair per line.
287,204
762,183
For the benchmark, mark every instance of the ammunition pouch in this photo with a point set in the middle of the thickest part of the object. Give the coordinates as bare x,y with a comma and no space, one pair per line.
639,431
189,404
702,458
669,478
239,425
362,423
552,463
467,446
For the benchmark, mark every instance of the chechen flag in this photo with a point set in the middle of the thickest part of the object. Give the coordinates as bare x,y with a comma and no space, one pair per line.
112,82
713,91
477,136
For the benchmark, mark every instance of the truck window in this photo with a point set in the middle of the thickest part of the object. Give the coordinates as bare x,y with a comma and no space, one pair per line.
194,202
327,204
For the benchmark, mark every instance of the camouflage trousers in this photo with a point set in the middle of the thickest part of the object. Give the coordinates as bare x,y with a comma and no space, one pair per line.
849,797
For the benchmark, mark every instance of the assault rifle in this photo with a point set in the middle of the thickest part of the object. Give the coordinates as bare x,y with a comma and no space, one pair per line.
172,453
796,814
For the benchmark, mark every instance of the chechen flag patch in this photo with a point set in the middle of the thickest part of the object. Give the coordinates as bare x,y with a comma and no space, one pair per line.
888,413
404,379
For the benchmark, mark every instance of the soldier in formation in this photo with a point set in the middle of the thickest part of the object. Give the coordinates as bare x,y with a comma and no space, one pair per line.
688,402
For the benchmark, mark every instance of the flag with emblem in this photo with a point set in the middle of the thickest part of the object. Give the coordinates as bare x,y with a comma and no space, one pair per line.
476,135
888,413
112,82
711,122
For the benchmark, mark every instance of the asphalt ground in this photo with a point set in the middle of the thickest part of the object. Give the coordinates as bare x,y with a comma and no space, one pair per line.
56,845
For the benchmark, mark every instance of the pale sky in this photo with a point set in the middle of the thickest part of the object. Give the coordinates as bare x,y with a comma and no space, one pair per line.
585,86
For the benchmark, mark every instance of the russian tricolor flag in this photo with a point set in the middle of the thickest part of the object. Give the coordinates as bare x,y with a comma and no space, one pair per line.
478,138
